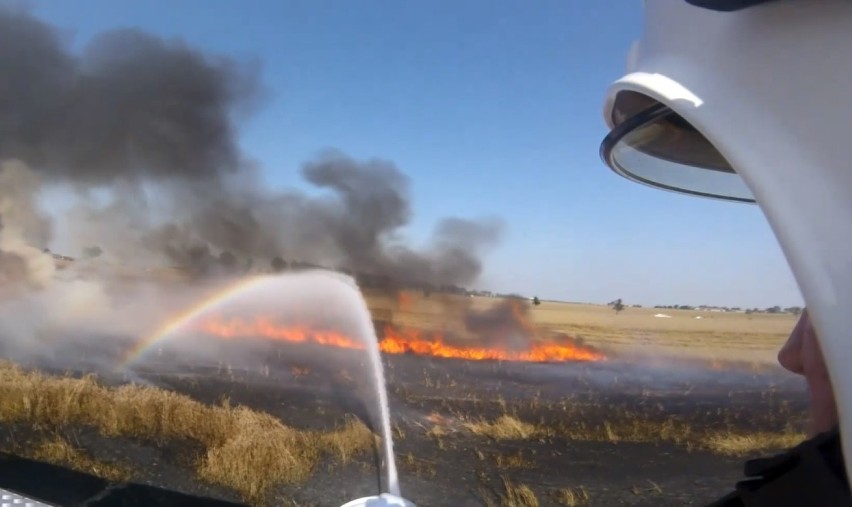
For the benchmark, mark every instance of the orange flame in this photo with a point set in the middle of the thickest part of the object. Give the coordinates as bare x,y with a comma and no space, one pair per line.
397,341
410,341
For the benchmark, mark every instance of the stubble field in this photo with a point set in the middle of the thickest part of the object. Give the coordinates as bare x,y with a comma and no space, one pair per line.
665,419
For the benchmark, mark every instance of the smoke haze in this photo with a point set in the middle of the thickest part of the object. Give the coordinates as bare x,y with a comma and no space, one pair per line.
142,133
153,123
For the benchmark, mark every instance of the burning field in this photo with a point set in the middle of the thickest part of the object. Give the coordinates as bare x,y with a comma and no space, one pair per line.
489,407
158,355
507,327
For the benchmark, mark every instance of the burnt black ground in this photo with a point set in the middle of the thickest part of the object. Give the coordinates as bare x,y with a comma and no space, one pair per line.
457,467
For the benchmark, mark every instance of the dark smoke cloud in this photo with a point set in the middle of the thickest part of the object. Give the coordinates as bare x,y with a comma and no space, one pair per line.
507,324
369,206
153,121
131,106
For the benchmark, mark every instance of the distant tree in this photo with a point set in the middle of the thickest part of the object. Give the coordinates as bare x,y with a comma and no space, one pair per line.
536,301
278,264
795,310
617,305
774,309
91,252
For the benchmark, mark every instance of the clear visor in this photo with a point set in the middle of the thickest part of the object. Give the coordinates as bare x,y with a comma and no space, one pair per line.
652,144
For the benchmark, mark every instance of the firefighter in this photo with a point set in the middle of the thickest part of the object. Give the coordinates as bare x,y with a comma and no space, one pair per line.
746,100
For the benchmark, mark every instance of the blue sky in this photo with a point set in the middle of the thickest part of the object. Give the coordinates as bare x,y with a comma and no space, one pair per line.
492,109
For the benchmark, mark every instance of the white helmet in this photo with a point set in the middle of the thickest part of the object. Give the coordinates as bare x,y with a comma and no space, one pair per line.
754,105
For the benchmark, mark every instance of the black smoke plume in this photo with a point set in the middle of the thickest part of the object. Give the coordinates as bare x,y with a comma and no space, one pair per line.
153,123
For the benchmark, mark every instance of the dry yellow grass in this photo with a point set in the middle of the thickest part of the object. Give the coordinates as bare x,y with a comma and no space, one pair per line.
505,427
629,428
722,441
740,444
573,497
513,495
350,440
436,431
246,450
515,460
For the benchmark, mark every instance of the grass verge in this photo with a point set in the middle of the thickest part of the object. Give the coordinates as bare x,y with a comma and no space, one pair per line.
246,450
506,427
513,495
725,441
572,497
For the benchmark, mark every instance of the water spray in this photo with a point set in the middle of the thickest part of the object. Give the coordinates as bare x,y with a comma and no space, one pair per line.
383,500
393,495
304,292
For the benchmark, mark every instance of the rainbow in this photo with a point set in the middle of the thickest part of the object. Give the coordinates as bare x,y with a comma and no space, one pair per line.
144,345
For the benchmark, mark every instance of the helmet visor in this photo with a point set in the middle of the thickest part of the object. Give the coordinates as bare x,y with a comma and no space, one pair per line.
658,147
